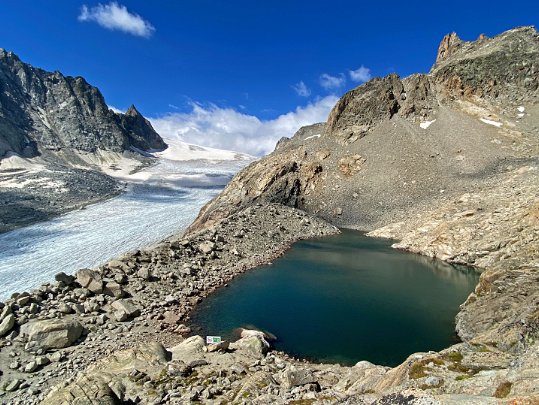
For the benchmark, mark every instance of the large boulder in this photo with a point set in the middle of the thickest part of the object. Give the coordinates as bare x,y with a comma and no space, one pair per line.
114,289
64,278
125,310
5,312
7,324
190,346
91,280
253,345
253,332
52,333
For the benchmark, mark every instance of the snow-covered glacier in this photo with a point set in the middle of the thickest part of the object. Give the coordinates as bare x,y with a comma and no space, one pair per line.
160,201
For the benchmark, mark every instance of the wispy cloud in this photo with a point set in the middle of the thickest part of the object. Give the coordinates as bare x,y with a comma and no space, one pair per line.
301,89
361,74
116,110
114,16
329,82
226,128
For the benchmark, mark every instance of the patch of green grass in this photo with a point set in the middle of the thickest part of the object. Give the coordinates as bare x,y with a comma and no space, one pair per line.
453,356
418,369
503,389
458,368
462,377
455,359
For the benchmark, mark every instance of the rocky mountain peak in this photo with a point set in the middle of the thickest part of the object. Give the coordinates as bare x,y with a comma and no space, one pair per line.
132,111
47,111
140,131
448,45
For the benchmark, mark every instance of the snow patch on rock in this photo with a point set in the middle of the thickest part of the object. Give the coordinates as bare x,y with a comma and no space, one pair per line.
426,124
490,122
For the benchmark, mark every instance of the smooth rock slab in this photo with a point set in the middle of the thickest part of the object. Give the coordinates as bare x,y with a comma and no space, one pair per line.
108,381
52,334
7,324
13,385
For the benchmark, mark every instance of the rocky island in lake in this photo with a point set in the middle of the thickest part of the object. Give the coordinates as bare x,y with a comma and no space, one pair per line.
445,164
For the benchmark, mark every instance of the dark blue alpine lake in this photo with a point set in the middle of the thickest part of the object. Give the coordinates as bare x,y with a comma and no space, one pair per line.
342,299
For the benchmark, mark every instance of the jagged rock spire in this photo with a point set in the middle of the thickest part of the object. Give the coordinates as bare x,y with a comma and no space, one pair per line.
448,45
132,111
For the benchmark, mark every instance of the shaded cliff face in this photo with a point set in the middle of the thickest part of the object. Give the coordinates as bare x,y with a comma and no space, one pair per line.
44,111
393,146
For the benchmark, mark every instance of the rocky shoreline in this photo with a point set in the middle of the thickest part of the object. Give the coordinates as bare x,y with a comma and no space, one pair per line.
142,296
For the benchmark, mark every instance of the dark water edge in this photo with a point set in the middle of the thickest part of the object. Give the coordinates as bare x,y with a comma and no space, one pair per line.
342,299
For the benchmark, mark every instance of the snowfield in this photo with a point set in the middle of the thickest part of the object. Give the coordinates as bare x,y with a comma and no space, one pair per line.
181,151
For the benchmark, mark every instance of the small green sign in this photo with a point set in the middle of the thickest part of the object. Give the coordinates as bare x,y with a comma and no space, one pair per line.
213,340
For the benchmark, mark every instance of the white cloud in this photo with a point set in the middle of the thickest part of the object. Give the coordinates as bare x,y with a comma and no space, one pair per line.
116,110
362,74
226,128
329,82
302,89
114,16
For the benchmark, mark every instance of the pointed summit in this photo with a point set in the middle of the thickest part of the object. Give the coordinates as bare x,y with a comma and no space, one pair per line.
449,43
140,131
132,111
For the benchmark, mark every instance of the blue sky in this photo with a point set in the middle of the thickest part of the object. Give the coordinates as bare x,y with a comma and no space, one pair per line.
258,68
